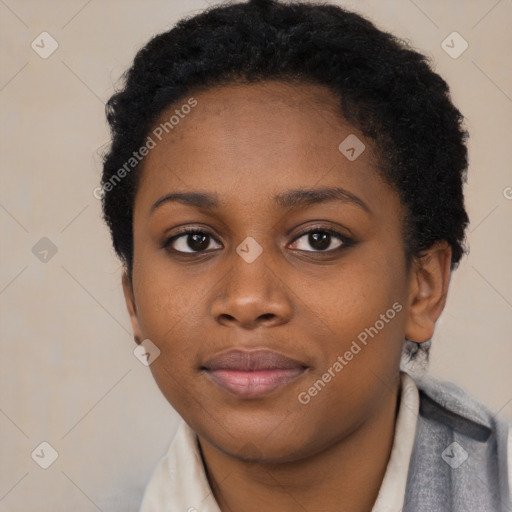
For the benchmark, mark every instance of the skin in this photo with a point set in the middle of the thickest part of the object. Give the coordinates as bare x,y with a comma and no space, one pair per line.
247,143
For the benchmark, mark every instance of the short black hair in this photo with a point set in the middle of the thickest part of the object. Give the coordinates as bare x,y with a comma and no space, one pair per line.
386,89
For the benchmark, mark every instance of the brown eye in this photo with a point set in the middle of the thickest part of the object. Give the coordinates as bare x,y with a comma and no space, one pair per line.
321,240
190,241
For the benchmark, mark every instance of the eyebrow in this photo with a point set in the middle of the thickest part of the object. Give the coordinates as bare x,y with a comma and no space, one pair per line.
286,200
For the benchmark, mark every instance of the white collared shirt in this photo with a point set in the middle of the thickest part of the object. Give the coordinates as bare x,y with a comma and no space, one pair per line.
179,482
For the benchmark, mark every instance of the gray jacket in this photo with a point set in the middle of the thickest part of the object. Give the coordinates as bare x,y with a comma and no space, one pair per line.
459,458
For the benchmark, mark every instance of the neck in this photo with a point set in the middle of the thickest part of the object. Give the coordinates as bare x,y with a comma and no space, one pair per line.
346,476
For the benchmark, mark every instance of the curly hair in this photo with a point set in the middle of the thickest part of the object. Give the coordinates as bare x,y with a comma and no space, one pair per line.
385,88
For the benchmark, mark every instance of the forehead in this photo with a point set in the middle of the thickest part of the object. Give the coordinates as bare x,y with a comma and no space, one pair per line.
294,94
251,142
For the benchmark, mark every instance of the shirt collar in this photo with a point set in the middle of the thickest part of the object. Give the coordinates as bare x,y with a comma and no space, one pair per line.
392,490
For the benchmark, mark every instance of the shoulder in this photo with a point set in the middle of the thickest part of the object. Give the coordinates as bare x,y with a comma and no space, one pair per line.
461,449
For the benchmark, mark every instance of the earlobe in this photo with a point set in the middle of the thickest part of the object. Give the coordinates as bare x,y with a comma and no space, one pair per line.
430,278
129,298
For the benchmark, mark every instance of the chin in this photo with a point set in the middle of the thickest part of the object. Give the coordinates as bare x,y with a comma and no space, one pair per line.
260,439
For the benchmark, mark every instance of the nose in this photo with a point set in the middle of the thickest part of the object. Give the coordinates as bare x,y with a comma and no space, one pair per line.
252,295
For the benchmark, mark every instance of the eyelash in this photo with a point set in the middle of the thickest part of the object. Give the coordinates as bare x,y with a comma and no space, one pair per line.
346,241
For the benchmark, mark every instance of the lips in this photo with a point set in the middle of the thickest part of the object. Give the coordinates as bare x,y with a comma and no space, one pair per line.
253,374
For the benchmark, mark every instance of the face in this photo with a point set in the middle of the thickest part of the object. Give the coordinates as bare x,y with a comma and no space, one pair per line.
280,319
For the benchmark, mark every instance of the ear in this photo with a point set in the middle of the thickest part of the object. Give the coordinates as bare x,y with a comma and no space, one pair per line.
429,281
129,298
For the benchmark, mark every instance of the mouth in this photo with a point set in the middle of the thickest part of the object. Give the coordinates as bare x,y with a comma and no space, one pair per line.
253,374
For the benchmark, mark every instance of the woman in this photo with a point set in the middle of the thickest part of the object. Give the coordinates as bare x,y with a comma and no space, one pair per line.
284,188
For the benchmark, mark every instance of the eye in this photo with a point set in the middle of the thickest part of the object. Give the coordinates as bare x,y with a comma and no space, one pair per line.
321,238
189,241
196,240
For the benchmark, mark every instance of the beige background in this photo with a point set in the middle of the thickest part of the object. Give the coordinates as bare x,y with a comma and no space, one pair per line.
68,375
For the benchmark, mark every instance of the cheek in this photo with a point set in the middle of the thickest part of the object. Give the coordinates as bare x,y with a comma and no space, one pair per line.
363,307
162,290
167,306
357,293
168,313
